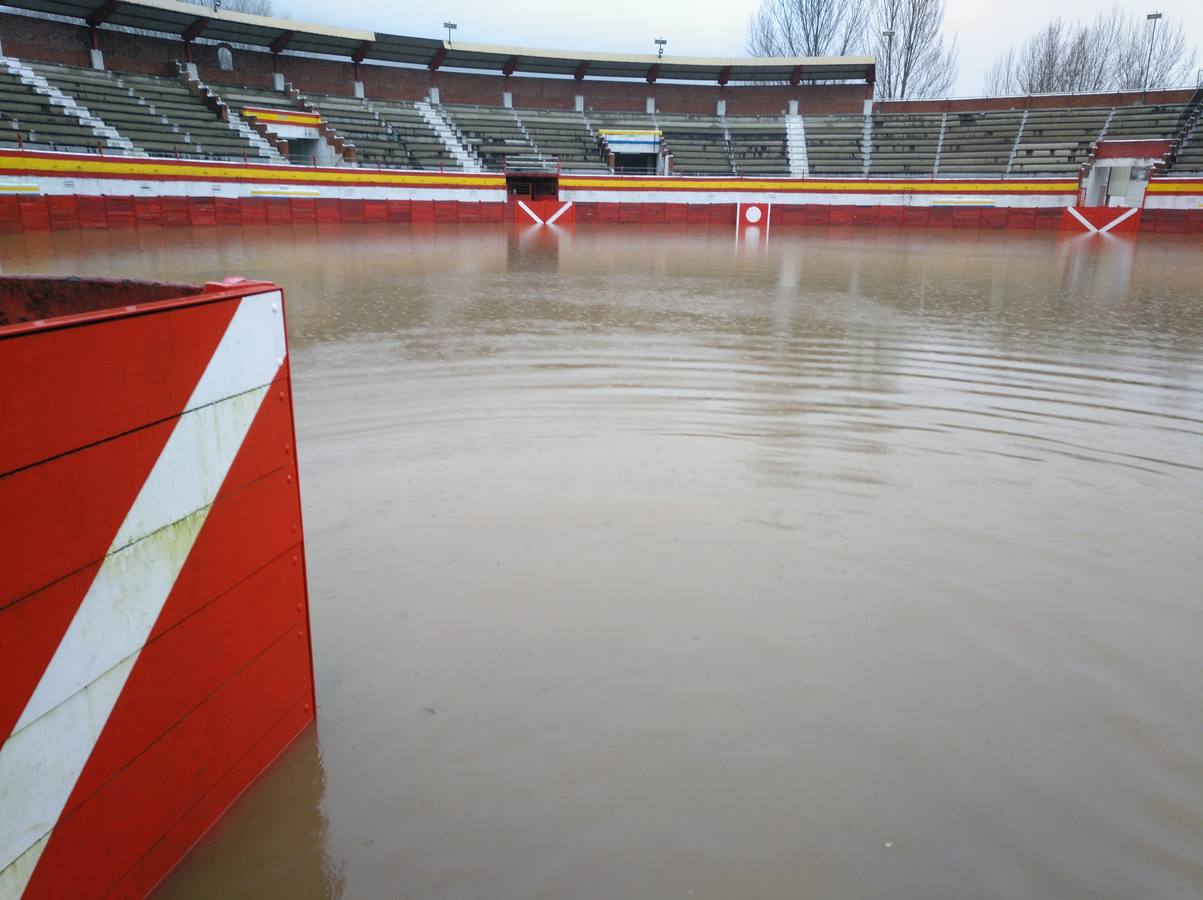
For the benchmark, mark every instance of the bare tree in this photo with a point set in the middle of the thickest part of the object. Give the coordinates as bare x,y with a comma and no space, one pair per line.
808,27
907,38
1116,51
254,7
914,62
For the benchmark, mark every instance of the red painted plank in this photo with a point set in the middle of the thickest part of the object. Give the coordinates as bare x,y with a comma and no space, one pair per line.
107,379
422,211
940,217
304,211
70,507
227,210
175,212
328,211
492,212
253,210
865,215
35,215
93,846
351,210
446,211
398,210
993,218
148,210
915,216
10,214
609,213
279,211
30,631
375,211
817,214
162,857
177,670
722,213
64,212
966,218
202,211
119,212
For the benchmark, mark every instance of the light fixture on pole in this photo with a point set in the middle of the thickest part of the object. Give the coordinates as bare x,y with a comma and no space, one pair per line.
450,26
889,36
660,42
1144,89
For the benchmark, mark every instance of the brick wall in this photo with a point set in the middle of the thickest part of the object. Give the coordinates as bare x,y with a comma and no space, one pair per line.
47,41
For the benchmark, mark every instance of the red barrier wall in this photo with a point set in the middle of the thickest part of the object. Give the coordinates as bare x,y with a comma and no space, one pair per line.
154,636
39,213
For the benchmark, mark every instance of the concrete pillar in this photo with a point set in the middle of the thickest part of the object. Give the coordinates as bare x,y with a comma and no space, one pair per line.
869,107
507,99
278,80
434,94
578,102
97,59
793,107
651,105
720,108
359,89
190,69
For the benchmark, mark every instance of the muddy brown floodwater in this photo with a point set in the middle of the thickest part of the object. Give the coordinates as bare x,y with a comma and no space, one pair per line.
867,565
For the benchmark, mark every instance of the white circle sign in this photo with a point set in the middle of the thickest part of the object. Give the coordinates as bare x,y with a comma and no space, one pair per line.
752,214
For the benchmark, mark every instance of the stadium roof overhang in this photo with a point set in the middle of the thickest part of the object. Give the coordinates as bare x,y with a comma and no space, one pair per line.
189,21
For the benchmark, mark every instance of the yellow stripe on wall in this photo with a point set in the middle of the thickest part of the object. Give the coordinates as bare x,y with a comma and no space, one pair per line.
1175,187
133,168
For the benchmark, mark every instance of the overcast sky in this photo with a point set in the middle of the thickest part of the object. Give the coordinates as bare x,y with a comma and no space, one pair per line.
695,28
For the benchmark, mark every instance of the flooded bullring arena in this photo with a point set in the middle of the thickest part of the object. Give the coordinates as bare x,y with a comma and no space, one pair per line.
860,563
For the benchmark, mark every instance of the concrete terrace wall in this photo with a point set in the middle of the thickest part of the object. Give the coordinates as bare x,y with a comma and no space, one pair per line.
59,42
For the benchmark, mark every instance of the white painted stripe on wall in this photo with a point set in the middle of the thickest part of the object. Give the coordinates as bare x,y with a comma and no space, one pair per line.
43,758
137,187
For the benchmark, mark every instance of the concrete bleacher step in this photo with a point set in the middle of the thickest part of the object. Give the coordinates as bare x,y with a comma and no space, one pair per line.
439,125
66,105
795,131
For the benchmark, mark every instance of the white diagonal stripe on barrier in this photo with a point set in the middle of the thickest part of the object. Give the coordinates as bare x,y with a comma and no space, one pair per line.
42,759
559,212
526,209
1081,218
1129,214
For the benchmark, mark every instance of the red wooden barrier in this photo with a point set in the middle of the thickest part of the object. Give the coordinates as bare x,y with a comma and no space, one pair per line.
154,651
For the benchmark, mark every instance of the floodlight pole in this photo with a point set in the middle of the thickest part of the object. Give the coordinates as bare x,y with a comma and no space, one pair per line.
1152,17
450,26
660,42
889,36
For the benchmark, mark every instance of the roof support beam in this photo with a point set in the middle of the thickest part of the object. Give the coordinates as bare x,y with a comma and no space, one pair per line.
581,70
437,59
795,76
282,41
361,51
653,73
724,75
510,65
192,32
101,15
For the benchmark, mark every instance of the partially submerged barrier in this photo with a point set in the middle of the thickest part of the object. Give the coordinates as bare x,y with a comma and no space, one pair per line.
52,191
154,637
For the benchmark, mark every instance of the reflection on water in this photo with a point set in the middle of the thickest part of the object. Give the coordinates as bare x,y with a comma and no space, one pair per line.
864,563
